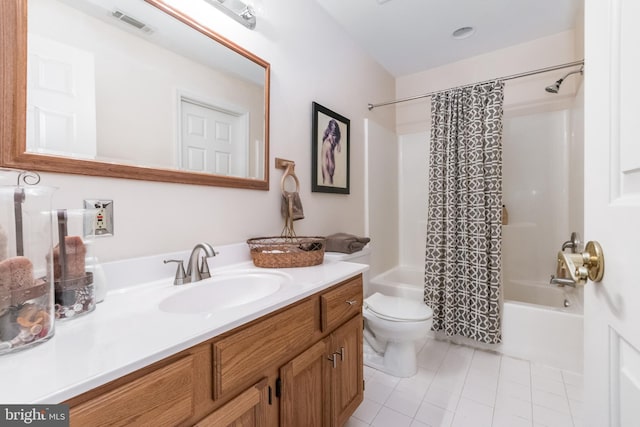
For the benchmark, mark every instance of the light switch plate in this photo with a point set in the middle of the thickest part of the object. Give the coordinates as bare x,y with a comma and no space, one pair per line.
100,224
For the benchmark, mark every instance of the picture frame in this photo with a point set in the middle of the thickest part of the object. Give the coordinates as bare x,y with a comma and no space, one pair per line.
331,139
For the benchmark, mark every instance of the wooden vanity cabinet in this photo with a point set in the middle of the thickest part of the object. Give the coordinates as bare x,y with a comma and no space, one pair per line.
299,366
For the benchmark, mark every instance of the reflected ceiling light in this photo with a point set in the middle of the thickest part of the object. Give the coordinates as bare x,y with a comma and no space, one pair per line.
238,10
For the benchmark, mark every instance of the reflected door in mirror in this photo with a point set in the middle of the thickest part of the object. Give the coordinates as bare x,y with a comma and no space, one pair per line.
214,140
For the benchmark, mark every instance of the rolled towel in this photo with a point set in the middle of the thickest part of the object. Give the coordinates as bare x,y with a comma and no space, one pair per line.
76,252
345,243
16,273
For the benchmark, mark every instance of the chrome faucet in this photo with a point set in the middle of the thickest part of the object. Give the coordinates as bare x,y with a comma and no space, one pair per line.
198,271
561,281
195,271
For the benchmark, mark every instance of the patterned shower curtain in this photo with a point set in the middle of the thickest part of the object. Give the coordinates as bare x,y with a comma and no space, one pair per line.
464,232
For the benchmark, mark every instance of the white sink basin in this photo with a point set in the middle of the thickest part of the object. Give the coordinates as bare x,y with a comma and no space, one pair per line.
224,290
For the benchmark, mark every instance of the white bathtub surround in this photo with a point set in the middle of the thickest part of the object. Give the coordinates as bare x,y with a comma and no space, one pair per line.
544,294
129,330
549,335
464,228
541,166
465,387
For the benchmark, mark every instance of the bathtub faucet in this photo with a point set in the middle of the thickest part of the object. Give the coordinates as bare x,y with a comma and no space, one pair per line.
574,243
562,281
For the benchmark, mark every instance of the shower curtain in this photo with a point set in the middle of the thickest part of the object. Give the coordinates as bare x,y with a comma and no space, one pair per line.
464,231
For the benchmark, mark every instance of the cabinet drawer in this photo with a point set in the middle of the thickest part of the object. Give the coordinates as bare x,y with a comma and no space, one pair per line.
242,358
162,398
341,303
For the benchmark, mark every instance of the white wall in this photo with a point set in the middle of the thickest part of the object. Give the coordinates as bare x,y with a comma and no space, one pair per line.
312,59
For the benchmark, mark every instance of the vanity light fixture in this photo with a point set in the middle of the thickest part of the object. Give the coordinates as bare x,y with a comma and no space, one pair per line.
238,10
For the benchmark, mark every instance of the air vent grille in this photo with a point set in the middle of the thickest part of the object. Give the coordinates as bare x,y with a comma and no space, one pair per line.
121,16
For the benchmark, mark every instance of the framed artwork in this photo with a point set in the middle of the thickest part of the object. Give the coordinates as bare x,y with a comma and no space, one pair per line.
330,147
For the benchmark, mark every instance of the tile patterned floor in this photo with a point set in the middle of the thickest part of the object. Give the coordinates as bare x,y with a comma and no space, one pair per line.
457,386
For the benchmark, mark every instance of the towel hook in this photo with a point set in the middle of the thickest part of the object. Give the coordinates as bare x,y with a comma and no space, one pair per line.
289,167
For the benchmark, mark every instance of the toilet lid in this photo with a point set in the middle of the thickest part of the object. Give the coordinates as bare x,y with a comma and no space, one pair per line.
397,308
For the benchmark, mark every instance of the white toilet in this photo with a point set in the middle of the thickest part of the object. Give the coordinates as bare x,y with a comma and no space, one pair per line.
393,325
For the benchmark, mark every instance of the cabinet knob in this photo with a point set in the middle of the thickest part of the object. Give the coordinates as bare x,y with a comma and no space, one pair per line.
352,302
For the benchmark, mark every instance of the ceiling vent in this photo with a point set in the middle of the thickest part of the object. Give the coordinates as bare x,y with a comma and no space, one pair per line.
121,16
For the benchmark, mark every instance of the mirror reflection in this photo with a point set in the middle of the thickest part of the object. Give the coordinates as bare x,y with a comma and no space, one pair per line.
120,81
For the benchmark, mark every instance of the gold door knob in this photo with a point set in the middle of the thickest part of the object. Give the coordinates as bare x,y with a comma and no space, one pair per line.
594,261
582,266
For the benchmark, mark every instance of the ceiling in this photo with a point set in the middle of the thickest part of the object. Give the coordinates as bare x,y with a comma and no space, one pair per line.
408,36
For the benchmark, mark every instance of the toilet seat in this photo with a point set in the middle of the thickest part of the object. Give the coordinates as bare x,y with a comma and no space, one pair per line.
397,309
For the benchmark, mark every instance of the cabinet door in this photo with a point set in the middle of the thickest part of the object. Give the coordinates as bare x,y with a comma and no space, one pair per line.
305,399
347,387
246,410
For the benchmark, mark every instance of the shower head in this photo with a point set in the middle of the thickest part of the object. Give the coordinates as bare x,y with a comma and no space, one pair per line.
554,88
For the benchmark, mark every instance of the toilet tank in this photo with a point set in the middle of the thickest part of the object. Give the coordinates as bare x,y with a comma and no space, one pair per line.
361,257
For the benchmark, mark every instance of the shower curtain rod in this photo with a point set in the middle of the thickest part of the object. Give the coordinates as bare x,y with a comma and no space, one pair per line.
511,77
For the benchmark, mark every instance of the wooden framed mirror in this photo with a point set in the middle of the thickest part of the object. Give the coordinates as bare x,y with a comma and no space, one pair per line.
130,89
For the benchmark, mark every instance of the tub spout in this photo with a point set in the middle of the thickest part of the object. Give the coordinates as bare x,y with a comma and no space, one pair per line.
561,281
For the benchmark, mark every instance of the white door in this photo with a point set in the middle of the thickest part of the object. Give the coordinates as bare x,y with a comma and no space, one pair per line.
61,99
612,212
213,140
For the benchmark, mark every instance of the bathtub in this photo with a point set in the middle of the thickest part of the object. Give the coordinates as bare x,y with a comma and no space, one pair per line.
540,323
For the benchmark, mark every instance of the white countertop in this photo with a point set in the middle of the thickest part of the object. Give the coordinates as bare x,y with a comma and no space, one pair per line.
128,331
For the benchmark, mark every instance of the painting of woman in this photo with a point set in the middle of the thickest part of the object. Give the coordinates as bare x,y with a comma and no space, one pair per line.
330,143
